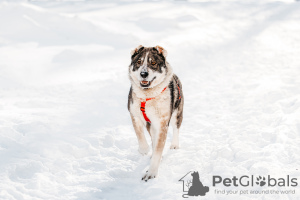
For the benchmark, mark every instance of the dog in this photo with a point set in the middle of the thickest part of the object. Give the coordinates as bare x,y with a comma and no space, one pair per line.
155,101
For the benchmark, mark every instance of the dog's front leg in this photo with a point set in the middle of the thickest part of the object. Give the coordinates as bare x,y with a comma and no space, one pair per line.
157,150
138,127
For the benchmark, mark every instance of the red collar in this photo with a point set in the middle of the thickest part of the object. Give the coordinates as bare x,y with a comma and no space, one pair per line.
143,106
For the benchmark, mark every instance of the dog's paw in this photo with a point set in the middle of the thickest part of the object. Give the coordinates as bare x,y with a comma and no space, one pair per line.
174,146
150,174
144,150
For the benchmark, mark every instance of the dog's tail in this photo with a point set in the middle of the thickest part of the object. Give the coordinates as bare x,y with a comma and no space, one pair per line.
206,189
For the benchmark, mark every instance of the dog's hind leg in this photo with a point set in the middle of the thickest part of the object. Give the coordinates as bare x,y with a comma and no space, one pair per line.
175,123
175,139
138,127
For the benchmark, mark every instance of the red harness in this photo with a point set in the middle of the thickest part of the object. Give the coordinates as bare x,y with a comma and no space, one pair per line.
143,104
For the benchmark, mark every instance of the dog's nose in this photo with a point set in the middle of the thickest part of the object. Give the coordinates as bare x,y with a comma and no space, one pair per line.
144,74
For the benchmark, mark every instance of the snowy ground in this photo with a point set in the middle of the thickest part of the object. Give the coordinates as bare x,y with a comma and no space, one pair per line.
65,132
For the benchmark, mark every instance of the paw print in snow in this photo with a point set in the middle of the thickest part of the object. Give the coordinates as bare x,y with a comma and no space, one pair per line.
261,181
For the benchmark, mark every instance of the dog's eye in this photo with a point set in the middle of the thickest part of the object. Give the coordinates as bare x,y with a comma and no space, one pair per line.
153,63
139,62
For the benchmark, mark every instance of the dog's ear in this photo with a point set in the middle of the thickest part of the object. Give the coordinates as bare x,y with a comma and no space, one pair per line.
136,50
161,51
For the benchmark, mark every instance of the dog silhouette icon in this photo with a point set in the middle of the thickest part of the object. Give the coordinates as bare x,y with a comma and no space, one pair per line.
197,187
194,186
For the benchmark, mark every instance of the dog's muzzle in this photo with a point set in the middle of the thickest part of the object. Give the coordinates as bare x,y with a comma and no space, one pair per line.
146,84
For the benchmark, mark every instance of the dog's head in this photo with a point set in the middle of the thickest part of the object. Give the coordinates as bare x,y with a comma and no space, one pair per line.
148,66
195,175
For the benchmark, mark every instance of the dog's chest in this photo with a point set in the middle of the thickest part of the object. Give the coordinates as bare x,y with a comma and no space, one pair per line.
155,109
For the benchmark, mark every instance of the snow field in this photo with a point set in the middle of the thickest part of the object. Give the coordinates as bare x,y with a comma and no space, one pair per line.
65,132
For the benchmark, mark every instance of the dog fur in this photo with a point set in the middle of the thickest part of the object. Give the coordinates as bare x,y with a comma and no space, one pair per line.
150,74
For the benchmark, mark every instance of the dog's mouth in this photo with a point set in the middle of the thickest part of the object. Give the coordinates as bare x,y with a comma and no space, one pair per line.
146,84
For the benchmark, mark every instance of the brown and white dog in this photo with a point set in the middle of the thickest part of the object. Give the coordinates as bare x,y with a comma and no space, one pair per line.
155,101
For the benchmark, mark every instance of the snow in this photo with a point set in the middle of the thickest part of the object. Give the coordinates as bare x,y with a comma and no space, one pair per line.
65,129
